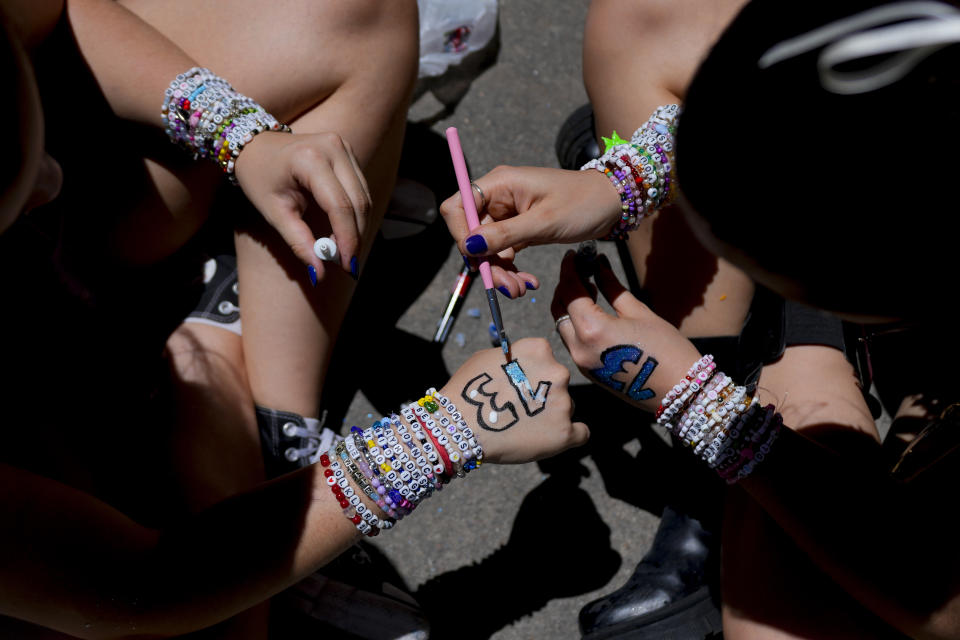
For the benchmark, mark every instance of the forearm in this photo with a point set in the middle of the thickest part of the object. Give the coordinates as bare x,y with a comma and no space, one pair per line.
132,62
74,564
241,552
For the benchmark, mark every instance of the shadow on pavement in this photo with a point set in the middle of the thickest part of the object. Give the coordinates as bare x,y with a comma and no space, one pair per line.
558,547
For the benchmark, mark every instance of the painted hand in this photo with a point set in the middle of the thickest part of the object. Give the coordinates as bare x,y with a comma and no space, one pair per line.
282,173
520,411
529,206
634,353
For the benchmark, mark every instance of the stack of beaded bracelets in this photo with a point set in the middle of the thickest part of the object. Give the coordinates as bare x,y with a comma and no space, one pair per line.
202,113
398,462
721,421
642,170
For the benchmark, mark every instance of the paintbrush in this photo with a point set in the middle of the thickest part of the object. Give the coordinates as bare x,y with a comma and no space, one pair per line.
473,221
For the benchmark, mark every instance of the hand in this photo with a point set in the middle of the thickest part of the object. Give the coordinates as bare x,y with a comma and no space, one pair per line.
513,425
529,206
635,354
280,173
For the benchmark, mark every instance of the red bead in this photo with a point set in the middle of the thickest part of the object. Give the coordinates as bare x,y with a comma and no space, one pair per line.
325,460
344,503
373,532
328,472
186,105
356,519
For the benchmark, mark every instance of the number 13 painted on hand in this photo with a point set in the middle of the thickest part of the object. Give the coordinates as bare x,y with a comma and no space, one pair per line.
613,359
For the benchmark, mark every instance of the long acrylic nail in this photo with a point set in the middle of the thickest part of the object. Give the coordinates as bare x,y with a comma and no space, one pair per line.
476,244
353,268
312,270
505,292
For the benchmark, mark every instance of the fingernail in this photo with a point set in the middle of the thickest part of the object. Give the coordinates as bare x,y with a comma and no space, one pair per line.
353,268
466,261
530,285
505,292
476,244
312,270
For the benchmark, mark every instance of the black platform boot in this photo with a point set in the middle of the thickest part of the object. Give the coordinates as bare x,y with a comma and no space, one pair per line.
669,595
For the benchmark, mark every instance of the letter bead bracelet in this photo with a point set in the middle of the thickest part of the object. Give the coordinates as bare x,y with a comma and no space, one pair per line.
641,169
399,461
203,114
721,421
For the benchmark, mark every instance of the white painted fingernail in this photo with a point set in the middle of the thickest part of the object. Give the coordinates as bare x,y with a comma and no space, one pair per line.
326,249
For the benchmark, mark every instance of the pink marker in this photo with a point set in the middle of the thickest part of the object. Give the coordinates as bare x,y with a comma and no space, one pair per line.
473,221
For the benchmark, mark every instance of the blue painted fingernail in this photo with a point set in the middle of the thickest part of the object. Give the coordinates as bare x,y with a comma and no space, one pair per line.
505,292
353,268
312,270
476,244
529,285
466,261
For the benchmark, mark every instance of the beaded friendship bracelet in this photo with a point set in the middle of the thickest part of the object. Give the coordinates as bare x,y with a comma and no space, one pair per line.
721,421
641,169
399,461
203,114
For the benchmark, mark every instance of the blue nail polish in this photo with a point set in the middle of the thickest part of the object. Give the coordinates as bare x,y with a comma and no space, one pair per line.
505,292
466,261
476,244
529,285
312,270
353,268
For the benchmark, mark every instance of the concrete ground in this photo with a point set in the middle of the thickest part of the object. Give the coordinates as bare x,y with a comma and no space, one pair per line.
512,552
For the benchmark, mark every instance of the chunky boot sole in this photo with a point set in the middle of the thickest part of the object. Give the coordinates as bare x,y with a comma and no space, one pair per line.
694,617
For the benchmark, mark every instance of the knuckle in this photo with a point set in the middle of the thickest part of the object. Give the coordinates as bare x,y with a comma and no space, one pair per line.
332,138
541,346
590,332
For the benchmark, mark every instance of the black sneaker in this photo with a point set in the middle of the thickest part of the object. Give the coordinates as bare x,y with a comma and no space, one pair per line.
576,141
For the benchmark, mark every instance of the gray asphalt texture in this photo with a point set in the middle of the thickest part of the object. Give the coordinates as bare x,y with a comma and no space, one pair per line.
515,551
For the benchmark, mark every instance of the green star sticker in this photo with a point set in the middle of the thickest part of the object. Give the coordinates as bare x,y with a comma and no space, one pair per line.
614,141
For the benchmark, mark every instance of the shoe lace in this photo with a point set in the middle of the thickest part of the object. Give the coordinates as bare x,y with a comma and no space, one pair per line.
317,439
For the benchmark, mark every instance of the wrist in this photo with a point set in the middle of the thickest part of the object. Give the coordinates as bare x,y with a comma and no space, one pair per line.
491,453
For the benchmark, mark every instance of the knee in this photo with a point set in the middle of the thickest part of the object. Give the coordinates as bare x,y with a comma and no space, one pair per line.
380,36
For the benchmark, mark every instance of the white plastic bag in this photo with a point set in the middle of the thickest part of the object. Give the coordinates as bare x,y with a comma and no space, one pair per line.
451,29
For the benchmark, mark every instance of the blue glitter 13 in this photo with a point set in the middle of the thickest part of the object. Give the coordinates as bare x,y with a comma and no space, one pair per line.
613,359
533,401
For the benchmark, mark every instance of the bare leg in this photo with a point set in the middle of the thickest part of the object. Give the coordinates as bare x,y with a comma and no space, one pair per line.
771,589
341,67
215,444
637,56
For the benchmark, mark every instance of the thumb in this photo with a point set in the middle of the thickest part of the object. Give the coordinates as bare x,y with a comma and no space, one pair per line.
517,232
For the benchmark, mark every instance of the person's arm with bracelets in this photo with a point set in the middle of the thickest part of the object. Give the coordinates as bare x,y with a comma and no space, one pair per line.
523,206
889,547
73,563
138,69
